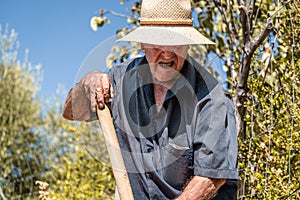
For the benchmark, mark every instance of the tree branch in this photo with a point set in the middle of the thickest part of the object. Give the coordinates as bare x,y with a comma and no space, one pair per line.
1,194
263,35
225,20
248,2
250,46
245,24
233,22
257,12
116,14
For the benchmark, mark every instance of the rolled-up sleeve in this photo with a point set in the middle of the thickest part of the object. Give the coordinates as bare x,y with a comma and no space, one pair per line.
215,139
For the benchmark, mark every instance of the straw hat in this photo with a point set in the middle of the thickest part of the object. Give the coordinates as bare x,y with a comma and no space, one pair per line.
166,22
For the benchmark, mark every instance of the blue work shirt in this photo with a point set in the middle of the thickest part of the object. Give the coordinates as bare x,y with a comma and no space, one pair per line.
193,134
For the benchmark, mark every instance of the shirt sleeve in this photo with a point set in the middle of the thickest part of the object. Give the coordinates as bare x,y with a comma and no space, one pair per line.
215,139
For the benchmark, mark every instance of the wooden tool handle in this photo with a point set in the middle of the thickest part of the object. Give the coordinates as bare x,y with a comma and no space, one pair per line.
115,154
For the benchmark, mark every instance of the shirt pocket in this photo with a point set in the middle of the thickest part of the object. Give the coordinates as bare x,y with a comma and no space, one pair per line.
177,161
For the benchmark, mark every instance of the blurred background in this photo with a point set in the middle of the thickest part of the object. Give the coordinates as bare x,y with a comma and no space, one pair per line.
47,46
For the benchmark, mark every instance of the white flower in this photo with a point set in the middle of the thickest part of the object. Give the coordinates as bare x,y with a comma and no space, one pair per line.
93,23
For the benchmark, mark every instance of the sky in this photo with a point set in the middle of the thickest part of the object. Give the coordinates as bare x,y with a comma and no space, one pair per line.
58,36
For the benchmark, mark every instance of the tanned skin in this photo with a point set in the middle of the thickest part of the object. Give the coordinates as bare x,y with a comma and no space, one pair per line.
92,92
201,188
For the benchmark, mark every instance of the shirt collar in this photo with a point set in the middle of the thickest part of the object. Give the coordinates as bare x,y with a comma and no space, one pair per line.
187,80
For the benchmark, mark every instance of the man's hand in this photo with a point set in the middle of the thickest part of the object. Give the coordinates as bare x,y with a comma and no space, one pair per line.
97,89
201,188
93,91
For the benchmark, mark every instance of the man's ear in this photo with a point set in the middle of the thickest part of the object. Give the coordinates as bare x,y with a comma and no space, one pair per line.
142,46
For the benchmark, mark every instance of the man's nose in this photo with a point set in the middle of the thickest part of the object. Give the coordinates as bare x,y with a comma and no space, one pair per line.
167,54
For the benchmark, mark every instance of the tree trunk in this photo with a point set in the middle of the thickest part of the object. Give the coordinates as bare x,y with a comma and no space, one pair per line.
250,46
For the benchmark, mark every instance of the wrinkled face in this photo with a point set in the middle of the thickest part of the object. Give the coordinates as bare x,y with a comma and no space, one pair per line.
165,61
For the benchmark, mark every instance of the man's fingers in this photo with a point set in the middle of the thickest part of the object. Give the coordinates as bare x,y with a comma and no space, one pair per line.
105,84
111,91
106,87
93,101
98,89
100,96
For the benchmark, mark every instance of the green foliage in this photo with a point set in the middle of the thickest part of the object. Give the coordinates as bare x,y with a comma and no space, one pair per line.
81,177
71,157
37,145
77,159
269,157
20,152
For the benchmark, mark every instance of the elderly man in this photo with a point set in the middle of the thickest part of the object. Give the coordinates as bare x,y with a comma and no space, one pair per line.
174,123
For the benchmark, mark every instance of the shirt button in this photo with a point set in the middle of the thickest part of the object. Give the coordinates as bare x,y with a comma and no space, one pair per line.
149,175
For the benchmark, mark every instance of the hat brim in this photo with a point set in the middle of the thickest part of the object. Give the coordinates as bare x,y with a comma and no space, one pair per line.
166,35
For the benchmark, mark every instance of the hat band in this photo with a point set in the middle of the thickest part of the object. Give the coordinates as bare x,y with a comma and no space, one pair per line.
177,23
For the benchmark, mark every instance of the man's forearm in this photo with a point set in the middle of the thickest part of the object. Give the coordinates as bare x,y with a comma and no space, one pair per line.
77,106
200,188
